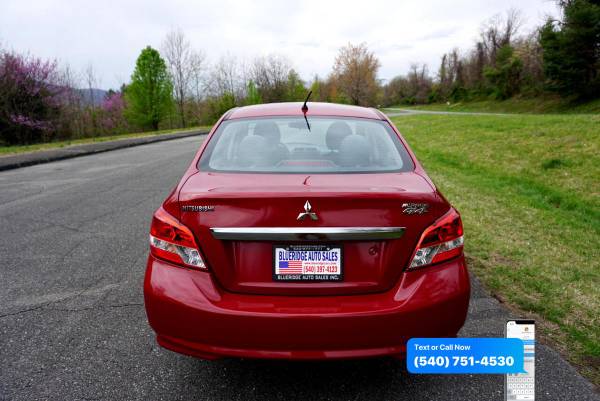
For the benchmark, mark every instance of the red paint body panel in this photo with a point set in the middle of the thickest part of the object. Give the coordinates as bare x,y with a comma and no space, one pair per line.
294,109
236,309
192,315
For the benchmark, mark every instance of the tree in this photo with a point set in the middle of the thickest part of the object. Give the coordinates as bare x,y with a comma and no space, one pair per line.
217,106
71,123
226,88
149,96
571,49
315,88
183,66
197,93
111,113
92,82
295,87
505,77
30,98
475,66
226,78
197,63
355,71
499,32
252,95
396,92
444,78
529,50
419,83
270,74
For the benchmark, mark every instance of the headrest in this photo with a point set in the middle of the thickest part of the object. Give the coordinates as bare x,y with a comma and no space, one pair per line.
355,151
336,134
252,150
268,130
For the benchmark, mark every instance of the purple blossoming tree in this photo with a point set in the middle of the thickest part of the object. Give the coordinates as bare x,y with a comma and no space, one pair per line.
30,98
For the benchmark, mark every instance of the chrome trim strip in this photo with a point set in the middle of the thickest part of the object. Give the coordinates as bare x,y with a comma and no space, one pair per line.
306,234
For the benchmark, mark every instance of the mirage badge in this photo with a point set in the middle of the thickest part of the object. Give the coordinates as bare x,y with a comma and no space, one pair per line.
414,208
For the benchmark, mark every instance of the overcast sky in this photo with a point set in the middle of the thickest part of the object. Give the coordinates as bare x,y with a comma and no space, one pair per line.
110,34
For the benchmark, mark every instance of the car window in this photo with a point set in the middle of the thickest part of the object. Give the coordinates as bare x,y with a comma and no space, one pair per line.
286,145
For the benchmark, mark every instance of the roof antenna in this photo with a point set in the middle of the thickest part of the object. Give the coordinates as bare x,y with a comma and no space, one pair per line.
305,109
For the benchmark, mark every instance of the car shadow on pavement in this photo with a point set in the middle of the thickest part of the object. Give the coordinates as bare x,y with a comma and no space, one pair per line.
380,378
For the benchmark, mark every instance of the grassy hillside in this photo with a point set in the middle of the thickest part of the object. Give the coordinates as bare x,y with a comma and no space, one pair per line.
528,188
542,105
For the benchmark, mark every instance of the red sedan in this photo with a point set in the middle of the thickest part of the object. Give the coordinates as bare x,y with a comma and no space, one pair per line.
304,233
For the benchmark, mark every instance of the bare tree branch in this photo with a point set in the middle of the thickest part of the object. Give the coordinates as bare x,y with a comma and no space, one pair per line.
176,49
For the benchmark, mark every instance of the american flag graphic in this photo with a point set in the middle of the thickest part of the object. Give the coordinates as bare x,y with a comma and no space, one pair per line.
290,267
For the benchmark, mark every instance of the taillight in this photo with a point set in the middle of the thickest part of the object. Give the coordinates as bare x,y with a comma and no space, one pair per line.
441,241
172,241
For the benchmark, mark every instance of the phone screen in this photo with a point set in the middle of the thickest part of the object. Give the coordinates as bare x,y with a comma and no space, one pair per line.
521,386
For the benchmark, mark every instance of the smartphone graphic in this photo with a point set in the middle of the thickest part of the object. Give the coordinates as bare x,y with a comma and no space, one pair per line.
521,386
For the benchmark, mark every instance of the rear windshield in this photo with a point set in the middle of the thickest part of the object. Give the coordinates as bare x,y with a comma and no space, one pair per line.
286,145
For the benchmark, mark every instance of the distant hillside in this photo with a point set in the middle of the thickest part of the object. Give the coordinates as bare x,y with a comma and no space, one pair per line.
93,97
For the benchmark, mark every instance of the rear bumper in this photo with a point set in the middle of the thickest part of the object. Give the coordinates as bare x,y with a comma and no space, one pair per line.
192,315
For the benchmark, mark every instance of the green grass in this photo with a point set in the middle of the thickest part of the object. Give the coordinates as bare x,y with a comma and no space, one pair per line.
542,105
9,150
528,189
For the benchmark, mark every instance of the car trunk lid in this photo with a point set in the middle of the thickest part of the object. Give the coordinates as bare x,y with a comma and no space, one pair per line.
238,219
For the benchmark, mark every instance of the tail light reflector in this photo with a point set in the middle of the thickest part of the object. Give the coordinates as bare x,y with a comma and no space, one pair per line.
441,241
173,241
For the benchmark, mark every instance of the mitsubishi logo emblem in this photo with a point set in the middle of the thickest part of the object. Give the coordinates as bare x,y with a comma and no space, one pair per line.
307,213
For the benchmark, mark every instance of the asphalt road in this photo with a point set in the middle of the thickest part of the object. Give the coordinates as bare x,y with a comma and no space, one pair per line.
73,243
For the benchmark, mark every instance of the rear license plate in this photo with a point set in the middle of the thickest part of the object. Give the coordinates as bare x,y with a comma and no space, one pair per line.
307,263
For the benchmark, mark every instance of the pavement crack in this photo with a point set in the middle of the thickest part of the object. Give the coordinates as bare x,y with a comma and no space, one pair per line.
49,224
95,307
69,252
21,311
112,212
98,307
126,305
44,305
